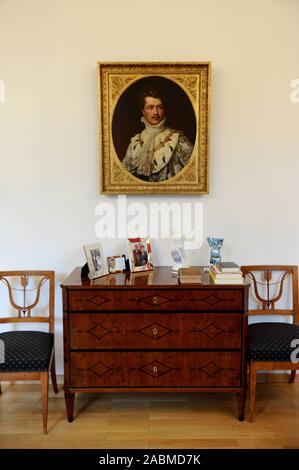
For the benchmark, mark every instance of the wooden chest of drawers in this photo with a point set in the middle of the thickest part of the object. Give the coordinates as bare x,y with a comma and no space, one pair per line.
145,332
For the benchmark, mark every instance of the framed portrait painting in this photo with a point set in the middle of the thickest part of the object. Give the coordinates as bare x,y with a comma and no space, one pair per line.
154,127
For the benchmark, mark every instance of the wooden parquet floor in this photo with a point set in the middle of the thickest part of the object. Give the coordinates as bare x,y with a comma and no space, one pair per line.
150,420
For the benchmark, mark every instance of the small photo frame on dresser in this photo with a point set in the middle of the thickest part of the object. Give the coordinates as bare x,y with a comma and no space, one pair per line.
95,259
116,264
140,254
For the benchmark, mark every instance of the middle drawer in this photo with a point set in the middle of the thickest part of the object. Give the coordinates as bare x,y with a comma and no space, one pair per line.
134,330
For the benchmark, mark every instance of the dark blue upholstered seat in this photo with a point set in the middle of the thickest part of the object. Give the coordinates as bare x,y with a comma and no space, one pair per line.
26,351
271,341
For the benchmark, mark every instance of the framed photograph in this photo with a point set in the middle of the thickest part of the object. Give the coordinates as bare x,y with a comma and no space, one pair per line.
154,127
140,254
95,260
116,264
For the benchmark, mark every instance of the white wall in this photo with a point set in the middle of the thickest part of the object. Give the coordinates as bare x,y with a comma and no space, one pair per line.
49,184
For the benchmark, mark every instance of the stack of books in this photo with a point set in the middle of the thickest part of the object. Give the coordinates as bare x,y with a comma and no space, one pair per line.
226,272
190,275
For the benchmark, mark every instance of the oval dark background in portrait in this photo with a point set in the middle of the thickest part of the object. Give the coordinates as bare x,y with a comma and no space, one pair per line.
127,114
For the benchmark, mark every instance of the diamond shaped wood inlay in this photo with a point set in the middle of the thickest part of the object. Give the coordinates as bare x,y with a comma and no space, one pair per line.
100,369
98,300
211,330
99,331
211,299
154,300
211,369
155,331
155,369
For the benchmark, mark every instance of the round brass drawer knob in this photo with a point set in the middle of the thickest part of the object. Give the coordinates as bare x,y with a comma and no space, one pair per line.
155,331
155,300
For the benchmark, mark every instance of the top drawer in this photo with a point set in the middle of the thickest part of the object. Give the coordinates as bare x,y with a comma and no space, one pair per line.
179,299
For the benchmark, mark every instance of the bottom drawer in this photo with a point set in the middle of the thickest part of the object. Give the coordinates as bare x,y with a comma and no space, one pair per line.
155,369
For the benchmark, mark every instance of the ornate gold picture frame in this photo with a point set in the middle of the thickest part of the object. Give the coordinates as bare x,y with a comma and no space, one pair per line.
154,127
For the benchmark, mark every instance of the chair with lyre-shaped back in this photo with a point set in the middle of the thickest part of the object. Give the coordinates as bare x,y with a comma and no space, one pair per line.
28,354
271,344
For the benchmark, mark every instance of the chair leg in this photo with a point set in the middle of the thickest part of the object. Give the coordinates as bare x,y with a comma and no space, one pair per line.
53,375
292,376
0,389
44,395
252,385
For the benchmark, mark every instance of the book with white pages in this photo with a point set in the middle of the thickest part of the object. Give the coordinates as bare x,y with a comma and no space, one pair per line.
225,275
227,266
226,280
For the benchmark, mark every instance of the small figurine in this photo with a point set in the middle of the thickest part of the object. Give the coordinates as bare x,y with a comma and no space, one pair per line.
215,244
178,255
